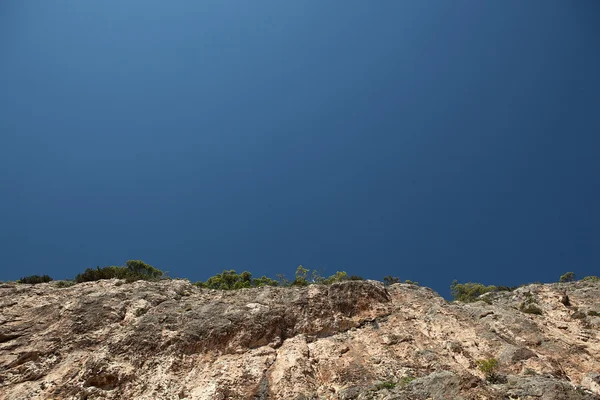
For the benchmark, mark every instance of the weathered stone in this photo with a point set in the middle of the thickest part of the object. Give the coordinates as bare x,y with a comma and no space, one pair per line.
351,340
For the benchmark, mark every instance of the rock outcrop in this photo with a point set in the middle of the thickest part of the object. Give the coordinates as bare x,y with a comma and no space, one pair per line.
351,340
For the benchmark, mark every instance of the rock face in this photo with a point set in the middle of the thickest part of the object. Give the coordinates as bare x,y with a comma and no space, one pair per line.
351,340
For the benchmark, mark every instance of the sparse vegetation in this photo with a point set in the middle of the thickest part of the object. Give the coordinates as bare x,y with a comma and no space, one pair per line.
568,277
469,292
406,380
64,284
35,279
530,309
384,385
301,279
390,280
528,306
133,270
231,280
489,368
591,279
506,288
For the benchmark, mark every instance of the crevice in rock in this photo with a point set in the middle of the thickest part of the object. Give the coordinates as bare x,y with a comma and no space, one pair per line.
7,337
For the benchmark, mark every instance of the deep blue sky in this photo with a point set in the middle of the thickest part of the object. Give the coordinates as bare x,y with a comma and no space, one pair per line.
432,140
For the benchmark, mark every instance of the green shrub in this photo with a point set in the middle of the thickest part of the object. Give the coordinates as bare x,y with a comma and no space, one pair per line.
264,281
35,279
568,277
591,279
384,385
338,277
90,274
133,270
390,280
489,368
228,280
143,270
301,279
530,309
64,284
469,292
231,280
528,306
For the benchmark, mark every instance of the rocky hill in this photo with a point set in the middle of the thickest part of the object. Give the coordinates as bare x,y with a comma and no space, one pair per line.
351,340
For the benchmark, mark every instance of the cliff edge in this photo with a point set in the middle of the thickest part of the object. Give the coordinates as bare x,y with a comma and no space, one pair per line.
350,340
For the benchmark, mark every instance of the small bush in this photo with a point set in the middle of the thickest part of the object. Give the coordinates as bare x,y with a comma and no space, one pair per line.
231,280
591,279
469,292
35,279
489,368
530,308
568,277
384,385
133,270
390,280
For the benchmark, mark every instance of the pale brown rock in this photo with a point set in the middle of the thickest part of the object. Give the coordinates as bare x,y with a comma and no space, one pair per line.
351,340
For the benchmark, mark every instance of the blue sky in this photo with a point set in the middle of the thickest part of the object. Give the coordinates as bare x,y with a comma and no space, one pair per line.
429,140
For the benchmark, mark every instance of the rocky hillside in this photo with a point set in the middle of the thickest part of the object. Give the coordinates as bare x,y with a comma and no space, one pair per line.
350,340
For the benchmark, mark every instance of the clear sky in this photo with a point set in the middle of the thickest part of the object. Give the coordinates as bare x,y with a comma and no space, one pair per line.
432,140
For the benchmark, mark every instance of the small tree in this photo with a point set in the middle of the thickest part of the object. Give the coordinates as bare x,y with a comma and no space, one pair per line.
283,281
301,280
143,270
338,277
568,277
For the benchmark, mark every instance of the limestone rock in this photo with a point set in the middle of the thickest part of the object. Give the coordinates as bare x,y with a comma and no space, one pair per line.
351,340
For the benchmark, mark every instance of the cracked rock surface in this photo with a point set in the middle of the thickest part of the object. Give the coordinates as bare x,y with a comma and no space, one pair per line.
351,340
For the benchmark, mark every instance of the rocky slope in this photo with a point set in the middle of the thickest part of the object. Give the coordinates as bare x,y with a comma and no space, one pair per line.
351,340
